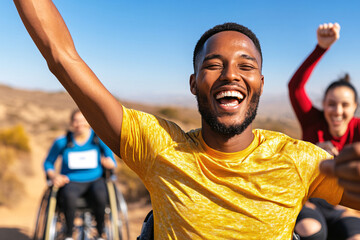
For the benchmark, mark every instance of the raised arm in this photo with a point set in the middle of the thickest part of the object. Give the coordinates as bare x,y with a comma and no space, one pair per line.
327,34
50,34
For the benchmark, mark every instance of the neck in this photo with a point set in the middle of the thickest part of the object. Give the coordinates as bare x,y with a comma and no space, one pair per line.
222,143
338,133
82,137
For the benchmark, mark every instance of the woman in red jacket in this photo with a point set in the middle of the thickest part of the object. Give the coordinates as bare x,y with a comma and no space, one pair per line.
331,129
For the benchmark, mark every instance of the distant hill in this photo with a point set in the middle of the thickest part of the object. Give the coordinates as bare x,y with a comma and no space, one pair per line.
275,113
48,112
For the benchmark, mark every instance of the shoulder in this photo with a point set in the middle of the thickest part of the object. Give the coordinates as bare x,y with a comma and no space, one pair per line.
275,140
291,146
194,135
132,114
304,156
355,121
149,123
60,141
272,136
59,144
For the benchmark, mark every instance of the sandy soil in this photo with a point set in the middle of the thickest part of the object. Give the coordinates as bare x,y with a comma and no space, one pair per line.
18,222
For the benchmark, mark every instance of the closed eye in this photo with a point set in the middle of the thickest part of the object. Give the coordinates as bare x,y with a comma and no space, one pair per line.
246,67
213,66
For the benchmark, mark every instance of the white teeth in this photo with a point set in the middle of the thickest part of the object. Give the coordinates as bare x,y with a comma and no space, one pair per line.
230,104
229,94
337,118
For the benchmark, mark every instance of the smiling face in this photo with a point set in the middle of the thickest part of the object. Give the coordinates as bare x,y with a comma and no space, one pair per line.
227,82
339,108
79,125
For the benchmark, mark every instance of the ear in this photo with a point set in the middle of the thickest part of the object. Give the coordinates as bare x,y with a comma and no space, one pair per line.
262,84
193,84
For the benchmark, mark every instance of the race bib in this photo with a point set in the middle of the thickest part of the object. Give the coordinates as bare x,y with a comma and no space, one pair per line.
83,160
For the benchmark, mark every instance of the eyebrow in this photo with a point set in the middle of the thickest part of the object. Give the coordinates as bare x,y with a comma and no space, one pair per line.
248,57
213,56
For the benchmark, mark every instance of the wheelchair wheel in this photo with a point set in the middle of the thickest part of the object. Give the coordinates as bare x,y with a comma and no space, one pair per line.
55,227
50,223
58,227
122,215
117,227
108,224
85,229
42,216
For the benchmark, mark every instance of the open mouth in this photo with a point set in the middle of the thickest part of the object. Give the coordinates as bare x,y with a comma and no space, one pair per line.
229,98
337,120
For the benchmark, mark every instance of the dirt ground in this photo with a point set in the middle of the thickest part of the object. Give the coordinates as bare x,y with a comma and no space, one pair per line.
18,222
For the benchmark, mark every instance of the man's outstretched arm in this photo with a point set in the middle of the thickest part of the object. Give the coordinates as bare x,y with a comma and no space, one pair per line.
50,34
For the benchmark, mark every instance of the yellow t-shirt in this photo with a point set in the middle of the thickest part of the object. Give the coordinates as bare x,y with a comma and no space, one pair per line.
200,193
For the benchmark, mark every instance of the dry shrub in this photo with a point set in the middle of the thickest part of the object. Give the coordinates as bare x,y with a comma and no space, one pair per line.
7,158
15,137
134,188
11,190
169,112
14,146
11,187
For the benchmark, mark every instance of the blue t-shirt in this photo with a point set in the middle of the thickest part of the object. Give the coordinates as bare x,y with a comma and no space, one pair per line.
80,163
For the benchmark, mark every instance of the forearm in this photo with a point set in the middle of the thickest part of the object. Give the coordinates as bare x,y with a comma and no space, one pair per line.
298,96
46,27
51,174
51,35
303,73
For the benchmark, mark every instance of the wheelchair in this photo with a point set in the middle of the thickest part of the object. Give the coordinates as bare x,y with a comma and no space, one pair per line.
50,223
147,230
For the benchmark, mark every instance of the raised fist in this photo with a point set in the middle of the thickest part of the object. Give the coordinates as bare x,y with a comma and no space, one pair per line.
327,34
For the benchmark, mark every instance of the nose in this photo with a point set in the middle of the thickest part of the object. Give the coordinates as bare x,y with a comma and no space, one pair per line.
230,73
339,109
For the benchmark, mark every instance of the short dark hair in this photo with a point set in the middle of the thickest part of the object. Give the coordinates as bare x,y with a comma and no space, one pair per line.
342,82
229,26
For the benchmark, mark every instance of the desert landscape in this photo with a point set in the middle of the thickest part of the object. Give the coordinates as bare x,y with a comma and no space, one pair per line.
44,116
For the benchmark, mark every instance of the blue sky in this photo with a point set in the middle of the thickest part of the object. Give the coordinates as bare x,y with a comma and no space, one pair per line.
142,50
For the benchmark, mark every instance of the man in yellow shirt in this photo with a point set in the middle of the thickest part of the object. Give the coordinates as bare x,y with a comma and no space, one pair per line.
225,180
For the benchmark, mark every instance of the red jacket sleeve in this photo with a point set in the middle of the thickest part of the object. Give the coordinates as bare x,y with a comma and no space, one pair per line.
300,101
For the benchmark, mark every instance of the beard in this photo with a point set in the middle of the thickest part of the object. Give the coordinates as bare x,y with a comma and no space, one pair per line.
224,130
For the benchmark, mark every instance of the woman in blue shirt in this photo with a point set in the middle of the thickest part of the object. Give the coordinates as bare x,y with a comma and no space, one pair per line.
84,157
